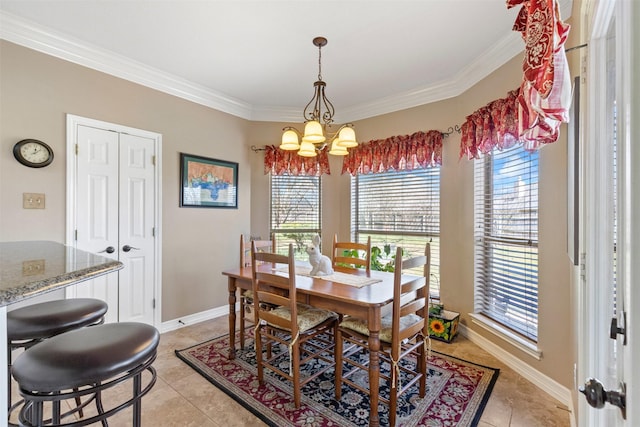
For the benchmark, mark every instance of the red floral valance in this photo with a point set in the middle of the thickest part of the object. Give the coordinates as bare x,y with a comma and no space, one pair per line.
282,162
415,151
545,94
533,113
494,125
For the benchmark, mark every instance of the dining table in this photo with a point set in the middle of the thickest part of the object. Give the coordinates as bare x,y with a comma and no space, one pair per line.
370,301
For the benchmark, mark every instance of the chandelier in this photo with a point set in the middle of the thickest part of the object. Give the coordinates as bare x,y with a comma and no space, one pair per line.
318,116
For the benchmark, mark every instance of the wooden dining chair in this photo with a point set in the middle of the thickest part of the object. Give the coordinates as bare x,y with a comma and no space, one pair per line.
404,334
293,333
246,297
351,256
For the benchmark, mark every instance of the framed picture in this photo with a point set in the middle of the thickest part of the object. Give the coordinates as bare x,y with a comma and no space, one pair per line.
208,183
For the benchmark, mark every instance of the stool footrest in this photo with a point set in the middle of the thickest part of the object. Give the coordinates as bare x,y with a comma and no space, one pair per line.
94,392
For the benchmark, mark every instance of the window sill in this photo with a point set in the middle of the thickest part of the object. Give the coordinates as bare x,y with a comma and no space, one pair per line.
500,331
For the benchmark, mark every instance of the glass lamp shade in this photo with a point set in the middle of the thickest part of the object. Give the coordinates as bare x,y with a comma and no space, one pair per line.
337,149
307,149
347,137
313,132
289,140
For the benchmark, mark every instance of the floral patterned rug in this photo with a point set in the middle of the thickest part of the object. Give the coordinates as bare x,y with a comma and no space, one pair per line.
457,391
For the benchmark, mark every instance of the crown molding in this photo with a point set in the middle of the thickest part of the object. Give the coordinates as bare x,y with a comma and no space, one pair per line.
484,65
27,34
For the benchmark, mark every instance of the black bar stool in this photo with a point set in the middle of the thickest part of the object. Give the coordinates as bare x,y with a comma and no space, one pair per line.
86,362
29,325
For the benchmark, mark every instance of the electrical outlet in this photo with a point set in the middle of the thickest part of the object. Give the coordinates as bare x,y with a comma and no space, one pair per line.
33,200
33,267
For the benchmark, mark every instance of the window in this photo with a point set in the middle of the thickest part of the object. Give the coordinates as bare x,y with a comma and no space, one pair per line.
295,212
506,239
399,209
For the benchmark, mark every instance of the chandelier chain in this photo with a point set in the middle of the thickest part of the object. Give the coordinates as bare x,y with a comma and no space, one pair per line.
320,62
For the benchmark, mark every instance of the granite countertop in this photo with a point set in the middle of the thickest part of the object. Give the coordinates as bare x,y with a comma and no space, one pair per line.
32,268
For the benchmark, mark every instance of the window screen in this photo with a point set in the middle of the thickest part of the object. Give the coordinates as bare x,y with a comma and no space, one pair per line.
295,212
506,239
399,209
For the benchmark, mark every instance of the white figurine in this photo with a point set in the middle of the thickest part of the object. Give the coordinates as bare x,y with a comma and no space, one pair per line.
321,264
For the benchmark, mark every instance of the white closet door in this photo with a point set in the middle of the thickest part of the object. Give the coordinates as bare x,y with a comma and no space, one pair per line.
136,224
97,209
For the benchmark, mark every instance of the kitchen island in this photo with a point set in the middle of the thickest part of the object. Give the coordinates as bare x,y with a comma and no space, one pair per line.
32,268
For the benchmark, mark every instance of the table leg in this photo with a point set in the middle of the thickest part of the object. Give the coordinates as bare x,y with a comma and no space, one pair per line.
232,317
374,376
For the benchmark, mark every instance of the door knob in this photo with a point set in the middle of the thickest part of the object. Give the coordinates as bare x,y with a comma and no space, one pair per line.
127,248
597,396
109,250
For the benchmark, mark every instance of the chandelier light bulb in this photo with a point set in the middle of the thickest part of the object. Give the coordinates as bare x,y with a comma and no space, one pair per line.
337,149
313,132
307,149
289,140
347,137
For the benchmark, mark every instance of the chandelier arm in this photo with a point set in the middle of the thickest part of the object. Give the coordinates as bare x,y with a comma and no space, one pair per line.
327,116
333,135
314,114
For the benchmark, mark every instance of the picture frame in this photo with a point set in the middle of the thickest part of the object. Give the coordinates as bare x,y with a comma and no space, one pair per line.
208,183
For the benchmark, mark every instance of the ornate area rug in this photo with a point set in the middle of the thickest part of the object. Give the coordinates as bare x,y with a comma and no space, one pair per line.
457,391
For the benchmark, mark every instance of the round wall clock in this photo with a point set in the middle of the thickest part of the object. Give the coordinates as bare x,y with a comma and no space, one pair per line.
33,153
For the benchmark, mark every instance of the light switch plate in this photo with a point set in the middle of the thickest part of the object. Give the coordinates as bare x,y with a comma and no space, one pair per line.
33,200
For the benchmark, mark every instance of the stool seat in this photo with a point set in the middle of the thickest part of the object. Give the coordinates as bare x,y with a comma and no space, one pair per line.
44,320
85,356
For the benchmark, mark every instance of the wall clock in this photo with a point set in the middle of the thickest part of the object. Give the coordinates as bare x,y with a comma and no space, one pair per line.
33,153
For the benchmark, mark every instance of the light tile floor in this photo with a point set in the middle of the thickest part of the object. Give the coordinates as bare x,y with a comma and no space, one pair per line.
181,397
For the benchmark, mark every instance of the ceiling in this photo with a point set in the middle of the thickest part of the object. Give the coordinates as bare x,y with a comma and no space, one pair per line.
256,60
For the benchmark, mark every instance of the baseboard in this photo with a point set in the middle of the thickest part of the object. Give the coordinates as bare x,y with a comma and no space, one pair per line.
172,325
546,384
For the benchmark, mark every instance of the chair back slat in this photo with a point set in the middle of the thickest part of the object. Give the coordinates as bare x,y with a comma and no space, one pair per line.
276,286
412,307
411,296
350,261
413,284
261,245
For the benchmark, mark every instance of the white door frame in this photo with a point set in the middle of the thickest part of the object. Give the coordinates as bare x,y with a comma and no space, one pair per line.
593,295
73,122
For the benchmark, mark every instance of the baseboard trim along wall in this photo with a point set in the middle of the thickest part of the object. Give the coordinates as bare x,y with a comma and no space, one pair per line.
192,319
543,382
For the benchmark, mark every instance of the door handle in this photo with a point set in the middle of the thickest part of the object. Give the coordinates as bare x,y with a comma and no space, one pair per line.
597,396
619,328
127,248
109,250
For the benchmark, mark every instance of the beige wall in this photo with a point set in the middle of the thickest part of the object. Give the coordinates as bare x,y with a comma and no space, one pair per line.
37,91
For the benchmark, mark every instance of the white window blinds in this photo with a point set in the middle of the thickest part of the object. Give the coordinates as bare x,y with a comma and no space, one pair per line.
295,211
506,239
399,209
